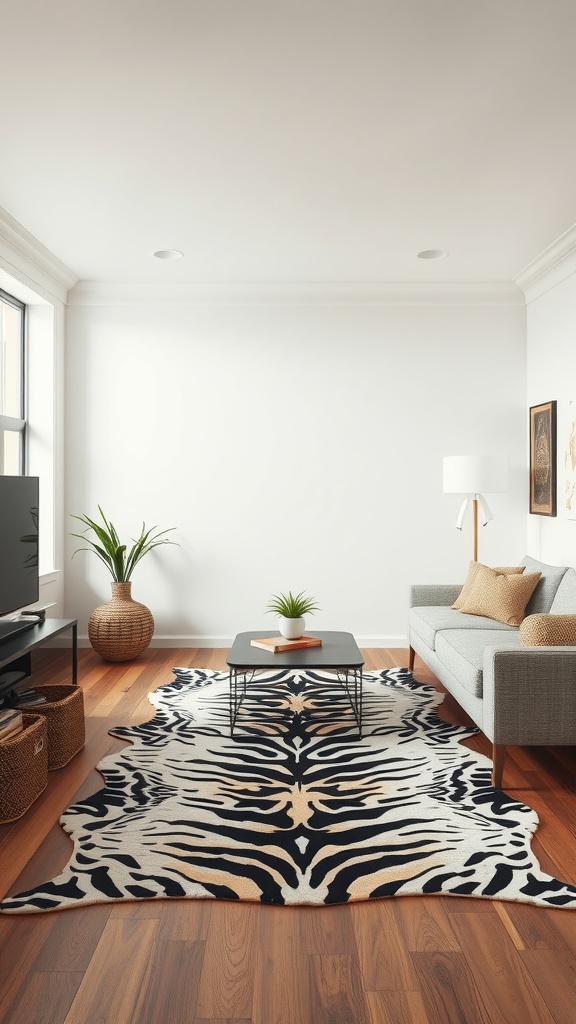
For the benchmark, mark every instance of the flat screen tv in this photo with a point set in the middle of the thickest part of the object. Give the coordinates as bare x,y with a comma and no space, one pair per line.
19,581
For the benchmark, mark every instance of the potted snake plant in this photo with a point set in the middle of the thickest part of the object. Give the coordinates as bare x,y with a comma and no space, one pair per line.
291,609
122,628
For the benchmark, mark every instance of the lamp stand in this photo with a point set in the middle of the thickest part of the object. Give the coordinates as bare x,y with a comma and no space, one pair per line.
475,528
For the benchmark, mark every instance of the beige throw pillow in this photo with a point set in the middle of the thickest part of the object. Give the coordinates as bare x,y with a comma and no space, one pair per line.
548,631
500,596
472,572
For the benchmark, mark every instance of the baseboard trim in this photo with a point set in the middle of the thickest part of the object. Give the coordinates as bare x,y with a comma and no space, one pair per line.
227,641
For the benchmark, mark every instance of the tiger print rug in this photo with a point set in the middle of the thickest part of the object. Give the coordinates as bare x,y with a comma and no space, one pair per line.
296,809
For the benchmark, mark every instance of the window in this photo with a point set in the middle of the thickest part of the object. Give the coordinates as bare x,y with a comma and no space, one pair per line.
12,402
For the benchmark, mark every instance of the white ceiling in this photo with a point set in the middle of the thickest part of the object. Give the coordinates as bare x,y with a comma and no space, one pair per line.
289,140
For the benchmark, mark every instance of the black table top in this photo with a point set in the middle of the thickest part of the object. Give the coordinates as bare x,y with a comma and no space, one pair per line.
37,634
338,650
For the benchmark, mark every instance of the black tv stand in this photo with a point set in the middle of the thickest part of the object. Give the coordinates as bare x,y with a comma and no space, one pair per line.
16,651
13,627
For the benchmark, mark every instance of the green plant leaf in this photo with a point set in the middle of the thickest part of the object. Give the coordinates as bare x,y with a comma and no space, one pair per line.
119,561
292,606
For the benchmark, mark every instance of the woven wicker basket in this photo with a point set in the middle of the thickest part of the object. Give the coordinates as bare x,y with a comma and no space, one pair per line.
64,713
23,767
122,628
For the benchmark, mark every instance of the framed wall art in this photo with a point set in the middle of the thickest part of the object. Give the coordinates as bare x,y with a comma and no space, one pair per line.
543,459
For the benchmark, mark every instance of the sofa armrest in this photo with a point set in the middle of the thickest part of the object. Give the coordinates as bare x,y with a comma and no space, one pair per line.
529,696
424,595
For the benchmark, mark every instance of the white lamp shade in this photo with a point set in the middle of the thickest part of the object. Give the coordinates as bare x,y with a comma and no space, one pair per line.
475,474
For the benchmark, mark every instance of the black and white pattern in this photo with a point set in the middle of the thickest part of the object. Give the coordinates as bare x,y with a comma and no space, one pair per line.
296,809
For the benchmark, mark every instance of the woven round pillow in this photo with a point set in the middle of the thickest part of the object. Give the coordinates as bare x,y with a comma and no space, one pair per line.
548,630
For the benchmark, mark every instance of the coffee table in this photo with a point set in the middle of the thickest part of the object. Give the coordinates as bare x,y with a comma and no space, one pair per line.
338,653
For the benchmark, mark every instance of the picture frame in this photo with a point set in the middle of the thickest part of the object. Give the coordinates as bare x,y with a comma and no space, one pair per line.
569,437
543,459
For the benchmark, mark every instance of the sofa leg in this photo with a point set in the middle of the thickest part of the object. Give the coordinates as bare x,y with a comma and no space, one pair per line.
412,655
498,755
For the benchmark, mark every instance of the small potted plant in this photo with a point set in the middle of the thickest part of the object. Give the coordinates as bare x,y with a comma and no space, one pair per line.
122,628
291,610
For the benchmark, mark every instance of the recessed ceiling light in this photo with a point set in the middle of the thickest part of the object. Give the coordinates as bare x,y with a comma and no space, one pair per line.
168,254
432,254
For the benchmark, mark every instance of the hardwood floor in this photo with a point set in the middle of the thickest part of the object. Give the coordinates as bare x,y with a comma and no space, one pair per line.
410,960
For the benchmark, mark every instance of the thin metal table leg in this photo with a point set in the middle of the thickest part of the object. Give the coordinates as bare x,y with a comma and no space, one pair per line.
233,708
355,698
237,693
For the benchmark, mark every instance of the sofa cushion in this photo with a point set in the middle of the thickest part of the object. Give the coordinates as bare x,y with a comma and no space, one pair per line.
462,652
543,596
427,621
499,595
549,631
564,602
471,577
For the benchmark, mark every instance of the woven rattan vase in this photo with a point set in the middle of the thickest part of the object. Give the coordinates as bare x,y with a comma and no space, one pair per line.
122,628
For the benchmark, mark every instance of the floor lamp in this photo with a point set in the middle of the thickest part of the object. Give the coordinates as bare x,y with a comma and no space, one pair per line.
474,476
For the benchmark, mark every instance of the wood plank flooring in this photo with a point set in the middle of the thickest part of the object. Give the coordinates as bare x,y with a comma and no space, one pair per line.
409,960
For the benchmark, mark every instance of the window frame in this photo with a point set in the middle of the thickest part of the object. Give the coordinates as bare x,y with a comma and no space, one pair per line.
17,424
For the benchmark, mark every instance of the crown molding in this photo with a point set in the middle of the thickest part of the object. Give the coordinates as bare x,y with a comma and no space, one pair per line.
102,293
553,265
25,258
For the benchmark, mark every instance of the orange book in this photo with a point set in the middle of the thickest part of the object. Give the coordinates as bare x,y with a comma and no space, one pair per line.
277,644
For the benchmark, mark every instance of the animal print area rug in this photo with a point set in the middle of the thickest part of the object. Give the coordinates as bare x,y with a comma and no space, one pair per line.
296,809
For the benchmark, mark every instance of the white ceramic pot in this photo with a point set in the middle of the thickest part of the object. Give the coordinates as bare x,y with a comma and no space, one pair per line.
291,629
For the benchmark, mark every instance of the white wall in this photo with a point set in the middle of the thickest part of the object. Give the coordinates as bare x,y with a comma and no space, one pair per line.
292,445
551,333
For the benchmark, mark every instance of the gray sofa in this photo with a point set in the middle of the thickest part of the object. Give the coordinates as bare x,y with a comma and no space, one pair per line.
517,695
